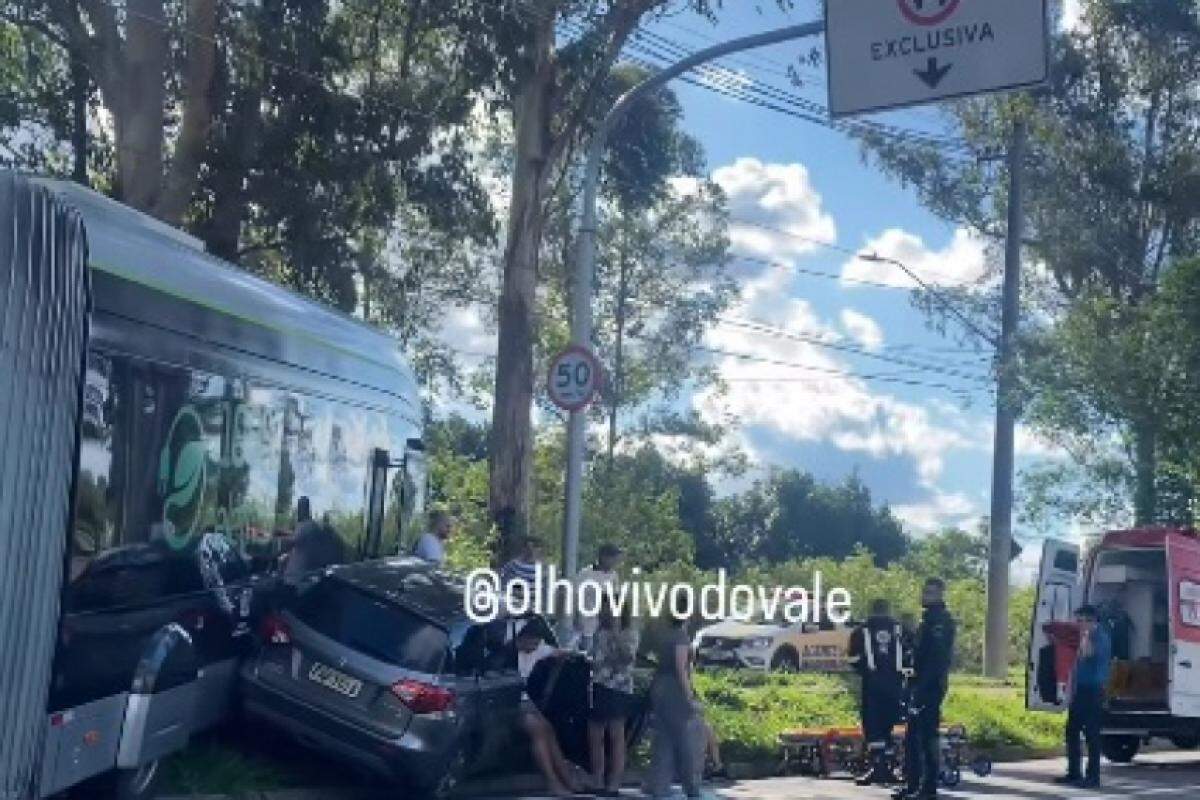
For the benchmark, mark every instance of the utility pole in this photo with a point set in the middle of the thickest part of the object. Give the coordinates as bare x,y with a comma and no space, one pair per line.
995,648
585,265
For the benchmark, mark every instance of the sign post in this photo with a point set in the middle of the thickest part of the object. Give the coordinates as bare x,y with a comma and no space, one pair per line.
885,54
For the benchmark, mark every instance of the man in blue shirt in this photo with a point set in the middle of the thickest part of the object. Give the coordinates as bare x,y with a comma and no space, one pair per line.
1088,681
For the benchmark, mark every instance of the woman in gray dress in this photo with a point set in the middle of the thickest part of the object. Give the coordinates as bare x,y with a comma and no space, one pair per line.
672,749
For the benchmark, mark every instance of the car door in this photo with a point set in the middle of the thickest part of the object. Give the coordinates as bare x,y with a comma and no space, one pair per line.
1183,572
1058,579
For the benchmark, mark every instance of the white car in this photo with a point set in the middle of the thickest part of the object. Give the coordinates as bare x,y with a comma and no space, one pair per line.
775,646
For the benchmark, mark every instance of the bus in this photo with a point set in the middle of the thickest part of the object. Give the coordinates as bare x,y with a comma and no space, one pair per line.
162,414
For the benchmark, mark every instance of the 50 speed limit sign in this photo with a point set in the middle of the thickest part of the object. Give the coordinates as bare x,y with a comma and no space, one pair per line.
574,378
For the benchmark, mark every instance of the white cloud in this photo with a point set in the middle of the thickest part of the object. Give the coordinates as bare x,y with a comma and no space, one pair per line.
943,509
819,401
862,329
1072,15
772,205
962,261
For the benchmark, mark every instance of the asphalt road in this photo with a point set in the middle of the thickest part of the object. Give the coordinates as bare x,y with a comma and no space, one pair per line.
1152,776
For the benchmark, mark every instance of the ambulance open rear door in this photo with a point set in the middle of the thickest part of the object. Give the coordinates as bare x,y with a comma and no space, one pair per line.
1058,591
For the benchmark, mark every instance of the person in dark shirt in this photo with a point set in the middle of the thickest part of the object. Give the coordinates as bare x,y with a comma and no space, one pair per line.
876,653
932,658
1088,682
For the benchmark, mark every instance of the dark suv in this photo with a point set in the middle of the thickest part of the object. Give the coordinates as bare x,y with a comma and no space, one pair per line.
378,665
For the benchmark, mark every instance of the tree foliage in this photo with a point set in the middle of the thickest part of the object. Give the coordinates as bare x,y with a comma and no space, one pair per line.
1110,202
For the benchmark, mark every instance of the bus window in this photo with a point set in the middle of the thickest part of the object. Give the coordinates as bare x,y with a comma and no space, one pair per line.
328,448
149,470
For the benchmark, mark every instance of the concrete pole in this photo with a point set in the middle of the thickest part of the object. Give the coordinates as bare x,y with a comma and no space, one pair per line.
585,265
995,649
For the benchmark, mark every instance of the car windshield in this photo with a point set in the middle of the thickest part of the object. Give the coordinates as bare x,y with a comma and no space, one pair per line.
373,627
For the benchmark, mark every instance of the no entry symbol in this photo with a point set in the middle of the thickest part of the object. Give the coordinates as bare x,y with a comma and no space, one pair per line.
928,12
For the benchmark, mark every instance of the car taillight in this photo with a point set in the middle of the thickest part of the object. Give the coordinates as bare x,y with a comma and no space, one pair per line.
275,630
423,698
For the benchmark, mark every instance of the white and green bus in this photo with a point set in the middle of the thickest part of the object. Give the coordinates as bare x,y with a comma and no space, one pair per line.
162,413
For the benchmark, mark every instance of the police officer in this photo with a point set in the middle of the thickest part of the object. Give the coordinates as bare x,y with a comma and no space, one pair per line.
932,659
877,654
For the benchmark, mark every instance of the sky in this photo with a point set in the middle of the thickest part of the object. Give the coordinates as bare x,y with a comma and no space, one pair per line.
918,433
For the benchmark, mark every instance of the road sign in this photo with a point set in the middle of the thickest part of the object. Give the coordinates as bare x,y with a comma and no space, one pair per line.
886,54
574,378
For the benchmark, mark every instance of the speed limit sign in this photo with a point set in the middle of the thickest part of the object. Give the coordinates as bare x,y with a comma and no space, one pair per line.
574,378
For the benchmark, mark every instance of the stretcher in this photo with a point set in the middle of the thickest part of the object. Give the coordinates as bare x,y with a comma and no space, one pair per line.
823,752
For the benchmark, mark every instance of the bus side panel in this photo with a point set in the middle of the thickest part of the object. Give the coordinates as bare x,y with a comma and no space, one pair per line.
43,329
81,743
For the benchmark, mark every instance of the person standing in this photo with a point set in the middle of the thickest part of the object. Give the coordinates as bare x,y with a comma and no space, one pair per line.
614,647
522,570
431,546
671,699
593,584
932,659
1088,682
877,655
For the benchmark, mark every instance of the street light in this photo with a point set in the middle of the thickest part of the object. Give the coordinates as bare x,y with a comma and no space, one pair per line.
946,305
581,295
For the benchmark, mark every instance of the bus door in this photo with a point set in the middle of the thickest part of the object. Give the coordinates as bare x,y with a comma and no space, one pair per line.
1057,592
44,301
1183,572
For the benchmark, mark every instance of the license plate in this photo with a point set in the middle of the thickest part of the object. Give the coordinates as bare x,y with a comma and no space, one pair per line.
339,682
715,654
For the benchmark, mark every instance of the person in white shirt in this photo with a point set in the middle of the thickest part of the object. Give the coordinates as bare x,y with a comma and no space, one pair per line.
431,546
594,581
532,649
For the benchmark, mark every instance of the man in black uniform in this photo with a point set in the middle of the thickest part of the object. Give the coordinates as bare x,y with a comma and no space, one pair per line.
931,662
877,655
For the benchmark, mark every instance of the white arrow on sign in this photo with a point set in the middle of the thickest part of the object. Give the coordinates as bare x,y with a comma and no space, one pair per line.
884,54
574,378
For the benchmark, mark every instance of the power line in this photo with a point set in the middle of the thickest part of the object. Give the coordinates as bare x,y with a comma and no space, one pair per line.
764,329
840,373
675,51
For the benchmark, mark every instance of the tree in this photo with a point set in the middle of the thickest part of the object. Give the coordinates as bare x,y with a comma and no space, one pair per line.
661,267
1110,186
129,56
322,145
1109,375
951,554
790,516
553,93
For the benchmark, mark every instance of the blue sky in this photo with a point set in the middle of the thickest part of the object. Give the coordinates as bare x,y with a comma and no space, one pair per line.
925,450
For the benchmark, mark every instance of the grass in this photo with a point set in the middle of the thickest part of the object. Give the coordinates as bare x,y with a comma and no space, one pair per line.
239,763
750,710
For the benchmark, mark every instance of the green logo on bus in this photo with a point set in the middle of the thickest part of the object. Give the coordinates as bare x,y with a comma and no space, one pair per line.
182,468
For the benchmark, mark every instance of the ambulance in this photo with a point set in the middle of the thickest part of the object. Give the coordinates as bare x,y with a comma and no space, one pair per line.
1146,585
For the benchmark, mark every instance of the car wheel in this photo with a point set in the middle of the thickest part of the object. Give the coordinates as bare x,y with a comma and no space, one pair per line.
785,660
1120,749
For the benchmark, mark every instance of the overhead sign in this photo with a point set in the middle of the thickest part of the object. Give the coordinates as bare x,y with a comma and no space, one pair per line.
884,54
574,378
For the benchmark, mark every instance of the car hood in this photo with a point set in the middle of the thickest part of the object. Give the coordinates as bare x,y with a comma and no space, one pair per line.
732,629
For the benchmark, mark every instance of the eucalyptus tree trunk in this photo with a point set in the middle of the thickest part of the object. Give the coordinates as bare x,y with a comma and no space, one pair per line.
511,456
